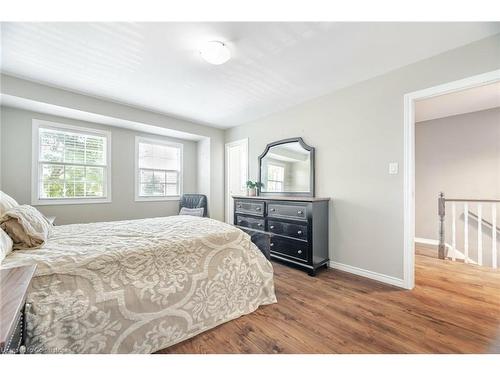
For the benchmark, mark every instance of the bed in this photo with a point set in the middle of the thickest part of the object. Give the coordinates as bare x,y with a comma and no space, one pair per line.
138,286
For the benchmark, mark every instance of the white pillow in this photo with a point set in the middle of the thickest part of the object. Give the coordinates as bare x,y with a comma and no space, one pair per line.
192,211
6,244
6,202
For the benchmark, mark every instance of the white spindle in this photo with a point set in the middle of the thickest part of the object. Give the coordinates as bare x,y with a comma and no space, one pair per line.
466,232
453,231
494,235
480,234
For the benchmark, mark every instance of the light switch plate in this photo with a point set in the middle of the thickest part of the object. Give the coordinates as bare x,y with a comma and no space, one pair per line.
393,168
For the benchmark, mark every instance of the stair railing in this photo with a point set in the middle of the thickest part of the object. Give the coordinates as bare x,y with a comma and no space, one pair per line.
484,221
442,248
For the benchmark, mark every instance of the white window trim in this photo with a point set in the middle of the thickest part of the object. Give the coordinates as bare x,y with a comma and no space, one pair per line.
279,165
35,199
276,164
140,139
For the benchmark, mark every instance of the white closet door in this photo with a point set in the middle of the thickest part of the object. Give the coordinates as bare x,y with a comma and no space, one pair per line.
236,173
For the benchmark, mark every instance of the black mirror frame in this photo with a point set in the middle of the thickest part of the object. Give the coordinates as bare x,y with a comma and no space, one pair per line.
306,147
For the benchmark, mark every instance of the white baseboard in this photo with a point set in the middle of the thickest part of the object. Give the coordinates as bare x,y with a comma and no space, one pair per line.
368,274
426,241
458,253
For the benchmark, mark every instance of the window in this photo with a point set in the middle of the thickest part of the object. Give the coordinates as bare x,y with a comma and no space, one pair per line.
158,169
70,164
275,177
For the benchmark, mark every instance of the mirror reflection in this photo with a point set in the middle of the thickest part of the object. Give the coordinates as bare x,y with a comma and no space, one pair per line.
286,168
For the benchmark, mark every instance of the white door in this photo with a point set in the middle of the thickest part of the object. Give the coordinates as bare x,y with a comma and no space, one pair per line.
236,173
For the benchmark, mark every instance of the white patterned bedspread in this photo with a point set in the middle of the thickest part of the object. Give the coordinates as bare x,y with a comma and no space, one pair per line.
138,286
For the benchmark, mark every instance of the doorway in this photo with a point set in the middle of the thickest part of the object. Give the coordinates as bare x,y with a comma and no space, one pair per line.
236,173
410,100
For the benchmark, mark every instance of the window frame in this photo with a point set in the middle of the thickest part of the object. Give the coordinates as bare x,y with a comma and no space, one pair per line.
35,164
282,166
161,142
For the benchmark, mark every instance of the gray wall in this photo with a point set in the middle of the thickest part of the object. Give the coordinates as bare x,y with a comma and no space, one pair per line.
16,171
357,131
203,178
460,156
36,92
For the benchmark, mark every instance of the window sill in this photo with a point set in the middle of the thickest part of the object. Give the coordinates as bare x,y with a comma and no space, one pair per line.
55,202
157,199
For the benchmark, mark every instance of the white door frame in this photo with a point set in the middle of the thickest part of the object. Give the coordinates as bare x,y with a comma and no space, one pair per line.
409,159
227,194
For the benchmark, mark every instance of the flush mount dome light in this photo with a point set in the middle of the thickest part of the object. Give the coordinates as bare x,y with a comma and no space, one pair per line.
215,52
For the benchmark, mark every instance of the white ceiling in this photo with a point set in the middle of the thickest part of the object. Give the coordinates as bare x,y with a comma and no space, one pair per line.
457,103
274,66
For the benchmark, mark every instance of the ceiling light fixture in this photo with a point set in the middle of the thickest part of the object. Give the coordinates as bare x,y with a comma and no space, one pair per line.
215,52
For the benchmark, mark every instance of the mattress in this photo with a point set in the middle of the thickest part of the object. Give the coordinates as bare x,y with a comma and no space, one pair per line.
138,286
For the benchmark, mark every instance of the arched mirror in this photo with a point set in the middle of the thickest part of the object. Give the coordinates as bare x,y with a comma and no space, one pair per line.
286,167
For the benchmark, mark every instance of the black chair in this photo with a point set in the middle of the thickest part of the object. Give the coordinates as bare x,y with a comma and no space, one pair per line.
194,201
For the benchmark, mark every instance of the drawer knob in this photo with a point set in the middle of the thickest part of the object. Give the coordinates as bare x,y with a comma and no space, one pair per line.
258,208
239,221
299,212
271,244
271,227
273,209
299,252
299,232
259,225
239,206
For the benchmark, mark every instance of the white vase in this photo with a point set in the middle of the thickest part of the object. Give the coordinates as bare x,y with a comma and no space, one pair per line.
252,192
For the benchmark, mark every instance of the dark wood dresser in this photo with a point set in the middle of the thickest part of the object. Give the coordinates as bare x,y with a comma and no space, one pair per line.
293,230
14,284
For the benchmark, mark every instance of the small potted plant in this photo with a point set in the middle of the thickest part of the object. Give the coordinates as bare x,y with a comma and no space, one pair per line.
252,187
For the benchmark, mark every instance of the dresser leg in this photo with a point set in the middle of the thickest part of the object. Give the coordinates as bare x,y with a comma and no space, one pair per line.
312,273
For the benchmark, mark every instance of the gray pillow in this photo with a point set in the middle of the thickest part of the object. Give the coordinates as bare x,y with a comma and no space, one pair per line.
192,211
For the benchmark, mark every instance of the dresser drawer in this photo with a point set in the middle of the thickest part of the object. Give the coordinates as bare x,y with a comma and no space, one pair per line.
291,248
252,208
260,239
286,229
287,211
250,222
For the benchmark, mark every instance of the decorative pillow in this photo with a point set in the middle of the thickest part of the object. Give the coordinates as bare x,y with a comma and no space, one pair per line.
192,211
27,227
5,244
6,202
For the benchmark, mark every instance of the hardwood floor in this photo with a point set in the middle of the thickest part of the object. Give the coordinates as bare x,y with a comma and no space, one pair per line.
454,308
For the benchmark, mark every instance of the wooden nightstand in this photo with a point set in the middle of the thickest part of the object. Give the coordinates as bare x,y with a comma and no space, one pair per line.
14,284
